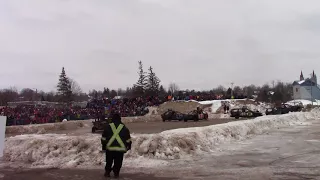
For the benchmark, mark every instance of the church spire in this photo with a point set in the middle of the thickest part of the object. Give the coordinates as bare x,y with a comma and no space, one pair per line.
301,76
313,74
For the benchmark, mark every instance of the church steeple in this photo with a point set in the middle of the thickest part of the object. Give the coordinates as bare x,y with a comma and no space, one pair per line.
301,76
314,78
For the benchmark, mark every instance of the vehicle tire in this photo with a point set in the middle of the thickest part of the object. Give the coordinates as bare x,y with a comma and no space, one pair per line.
237,117
163,120
185,120
93,130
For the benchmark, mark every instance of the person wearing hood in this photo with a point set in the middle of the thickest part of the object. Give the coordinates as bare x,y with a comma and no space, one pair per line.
116,141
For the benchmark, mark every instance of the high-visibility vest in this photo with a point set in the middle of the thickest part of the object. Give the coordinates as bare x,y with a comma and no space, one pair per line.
115,137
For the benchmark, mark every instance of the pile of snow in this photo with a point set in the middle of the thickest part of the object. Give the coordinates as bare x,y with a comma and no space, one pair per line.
216,105
180,106
304,102
261,107
152,111
77,151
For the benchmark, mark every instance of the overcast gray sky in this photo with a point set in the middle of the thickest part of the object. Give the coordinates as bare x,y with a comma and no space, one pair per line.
198,44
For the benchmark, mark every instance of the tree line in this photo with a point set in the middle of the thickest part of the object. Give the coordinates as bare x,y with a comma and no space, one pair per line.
148,84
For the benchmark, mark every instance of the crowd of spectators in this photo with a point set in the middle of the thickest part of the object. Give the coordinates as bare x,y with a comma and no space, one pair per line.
27,114
96,108
31,114
126,106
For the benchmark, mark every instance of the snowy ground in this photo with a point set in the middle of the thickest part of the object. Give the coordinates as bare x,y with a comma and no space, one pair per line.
288,147
149,150
290,153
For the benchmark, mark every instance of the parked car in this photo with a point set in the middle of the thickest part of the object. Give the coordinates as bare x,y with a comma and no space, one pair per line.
244,112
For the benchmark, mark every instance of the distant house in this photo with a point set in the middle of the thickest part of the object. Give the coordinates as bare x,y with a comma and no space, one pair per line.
307,89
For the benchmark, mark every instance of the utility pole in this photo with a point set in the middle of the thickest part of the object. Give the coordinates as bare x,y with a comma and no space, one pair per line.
232,90
272,85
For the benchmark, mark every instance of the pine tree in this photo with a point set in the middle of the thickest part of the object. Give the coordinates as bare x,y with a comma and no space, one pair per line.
106,92
153,82
162,91
64,87
140,86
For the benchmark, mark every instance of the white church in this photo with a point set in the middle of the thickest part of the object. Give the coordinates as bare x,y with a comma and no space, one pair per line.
307,89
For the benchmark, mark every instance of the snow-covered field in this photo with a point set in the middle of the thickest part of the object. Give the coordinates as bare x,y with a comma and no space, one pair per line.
149,150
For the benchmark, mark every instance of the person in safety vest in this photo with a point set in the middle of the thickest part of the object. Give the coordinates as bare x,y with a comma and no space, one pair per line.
116,141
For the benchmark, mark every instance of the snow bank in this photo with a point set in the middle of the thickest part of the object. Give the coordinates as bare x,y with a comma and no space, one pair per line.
261,107
304,102
216,105
77,151
44,128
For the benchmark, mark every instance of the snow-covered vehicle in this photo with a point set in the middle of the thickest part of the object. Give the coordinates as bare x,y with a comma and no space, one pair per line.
244,112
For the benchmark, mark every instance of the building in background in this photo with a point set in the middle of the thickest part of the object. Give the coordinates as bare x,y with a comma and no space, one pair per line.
306,89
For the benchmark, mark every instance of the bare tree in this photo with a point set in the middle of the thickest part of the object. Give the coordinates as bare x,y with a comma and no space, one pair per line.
75,87
8,95
27,94
220,89
237,90
173,88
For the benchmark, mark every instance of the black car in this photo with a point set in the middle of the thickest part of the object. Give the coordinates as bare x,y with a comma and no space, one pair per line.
275,111
283,109
196,116
294,108
172,115
244,112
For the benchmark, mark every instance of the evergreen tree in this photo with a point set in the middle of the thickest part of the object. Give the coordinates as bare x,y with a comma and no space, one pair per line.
140,86
64,87
162,91
153,82
113,93
106,92
229,92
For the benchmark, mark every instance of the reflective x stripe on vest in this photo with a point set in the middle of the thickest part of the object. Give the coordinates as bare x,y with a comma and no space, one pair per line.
116,137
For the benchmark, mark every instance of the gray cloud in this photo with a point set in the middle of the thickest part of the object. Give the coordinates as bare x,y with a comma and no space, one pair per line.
197,44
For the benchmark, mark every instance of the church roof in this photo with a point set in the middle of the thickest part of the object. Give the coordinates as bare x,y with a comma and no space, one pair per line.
299,82
306,82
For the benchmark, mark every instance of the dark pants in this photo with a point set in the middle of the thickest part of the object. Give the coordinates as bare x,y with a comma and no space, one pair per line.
116,158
